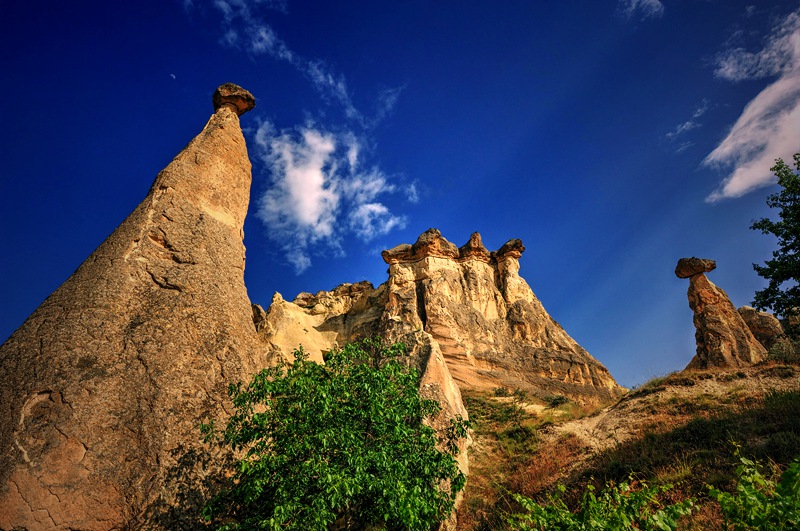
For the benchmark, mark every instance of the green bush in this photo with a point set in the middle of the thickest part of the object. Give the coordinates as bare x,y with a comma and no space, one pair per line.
553,401
785,350
617,507
344,442
758,503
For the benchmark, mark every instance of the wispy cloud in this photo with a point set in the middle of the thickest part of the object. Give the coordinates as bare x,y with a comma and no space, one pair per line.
319,192
320,187
688,125
769,126
244,27
640,8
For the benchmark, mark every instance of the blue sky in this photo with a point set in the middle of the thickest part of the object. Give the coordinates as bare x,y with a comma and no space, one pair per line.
612,137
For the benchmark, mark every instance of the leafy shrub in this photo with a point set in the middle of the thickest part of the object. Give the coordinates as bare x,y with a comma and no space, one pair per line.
553,401
617,507
758,502
342,443
502,391
785,350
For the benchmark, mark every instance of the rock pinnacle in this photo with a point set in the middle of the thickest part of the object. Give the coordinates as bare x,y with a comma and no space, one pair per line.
233,96
104,385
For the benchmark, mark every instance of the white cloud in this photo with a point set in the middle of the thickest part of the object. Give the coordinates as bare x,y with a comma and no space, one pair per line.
318,193
320,190
769,126
370,220
412,194
688,125
645,8
244,27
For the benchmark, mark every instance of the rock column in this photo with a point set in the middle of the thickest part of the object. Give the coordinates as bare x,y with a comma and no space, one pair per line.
105,384
723,339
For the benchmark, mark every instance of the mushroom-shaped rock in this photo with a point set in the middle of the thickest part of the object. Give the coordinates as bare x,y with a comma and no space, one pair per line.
233,96
432,243
512,248
399,253
103,385
474,248
722,336
692,266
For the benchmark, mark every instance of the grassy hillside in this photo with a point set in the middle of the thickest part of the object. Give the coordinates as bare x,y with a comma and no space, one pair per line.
682,429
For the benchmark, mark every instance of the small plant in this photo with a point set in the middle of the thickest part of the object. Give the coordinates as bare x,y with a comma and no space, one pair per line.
759,503
502,391
616,507
553,401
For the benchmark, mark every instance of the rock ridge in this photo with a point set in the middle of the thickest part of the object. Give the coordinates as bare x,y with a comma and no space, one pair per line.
467,304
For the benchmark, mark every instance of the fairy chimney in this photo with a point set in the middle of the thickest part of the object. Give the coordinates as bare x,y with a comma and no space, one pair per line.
104,385
723,338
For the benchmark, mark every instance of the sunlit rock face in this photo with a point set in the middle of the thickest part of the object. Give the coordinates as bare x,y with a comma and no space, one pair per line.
722,336
104,385
466,305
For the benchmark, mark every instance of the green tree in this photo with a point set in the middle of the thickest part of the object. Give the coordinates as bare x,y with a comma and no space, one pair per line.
782,294
344,443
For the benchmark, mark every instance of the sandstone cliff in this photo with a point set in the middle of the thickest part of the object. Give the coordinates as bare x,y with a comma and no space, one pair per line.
104,385
722,336
466,306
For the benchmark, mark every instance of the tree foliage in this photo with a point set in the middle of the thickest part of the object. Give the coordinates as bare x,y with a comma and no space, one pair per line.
782,294
344,442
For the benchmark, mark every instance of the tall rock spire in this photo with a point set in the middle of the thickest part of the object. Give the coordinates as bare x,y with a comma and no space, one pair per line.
722,336
104,385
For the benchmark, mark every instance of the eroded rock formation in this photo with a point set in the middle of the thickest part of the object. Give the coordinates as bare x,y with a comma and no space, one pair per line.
466,308
766,328
104,385
722,336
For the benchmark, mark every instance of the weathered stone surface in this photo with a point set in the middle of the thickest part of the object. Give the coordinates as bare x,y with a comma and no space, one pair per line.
430,243
723,339
467,308
474,249
233,96
104,385
692,266
766,328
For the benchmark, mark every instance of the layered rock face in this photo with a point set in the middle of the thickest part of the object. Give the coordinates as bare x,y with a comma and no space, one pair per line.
104,385
723,338
467,306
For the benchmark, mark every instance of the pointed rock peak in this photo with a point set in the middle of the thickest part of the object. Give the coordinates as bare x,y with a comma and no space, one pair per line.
513,248
693,266
234,97
158,318
474,248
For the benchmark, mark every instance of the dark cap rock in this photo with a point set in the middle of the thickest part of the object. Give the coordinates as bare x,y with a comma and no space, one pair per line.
692,266
233,96
512,248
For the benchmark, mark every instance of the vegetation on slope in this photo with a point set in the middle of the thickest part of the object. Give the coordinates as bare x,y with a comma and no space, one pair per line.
681,431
